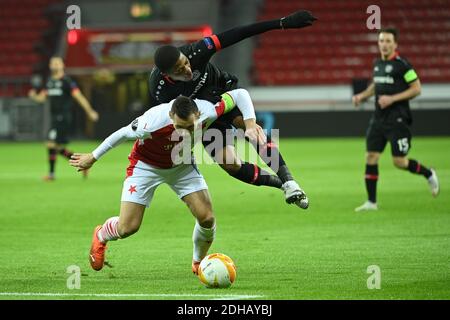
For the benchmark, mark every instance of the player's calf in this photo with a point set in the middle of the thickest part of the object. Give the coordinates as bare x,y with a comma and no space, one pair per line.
416,167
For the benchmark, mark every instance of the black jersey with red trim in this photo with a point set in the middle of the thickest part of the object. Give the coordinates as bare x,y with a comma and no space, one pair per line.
205,74
391,77
59,92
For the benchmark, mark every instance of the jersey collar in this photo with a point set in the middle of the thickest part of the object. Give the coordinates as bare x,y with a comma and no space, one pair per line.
393,56
167,78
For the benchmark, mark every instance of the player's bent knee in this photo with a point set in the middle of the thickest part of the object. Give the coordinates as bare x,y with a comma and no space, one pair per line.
208,221
231,168
400,163
238,122
51,145
372,158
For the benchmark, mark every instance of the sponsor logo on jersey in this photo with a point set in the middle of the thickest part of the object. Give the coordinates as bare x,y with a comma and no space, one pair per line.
200,84
209,43
55,92
386,79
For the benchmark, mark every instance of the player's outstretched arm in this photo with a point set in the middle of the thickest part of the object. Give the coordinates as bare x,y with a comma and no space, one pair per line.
83,161
296,20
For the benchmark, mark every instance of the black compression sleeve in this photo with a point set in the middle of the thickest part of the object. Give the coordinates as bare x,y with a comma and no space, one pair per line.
237,34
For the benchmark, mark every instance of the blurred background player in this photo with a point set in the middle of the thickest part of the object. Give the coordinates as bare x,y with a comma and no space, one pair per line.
187,71
395,82
151,164
60,89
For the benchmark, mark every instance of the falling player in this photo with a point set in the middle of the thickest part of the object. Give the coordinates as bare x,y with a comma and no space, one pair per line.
152,163
187,71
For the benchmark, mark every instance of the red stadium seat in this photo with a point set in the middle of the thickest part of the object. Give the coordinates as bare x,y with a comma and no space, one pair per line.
339,47
22,24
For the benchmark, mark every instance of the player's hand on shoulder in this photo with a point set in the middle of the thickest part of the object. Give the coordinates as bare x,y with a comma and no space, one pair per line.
299,19
82,161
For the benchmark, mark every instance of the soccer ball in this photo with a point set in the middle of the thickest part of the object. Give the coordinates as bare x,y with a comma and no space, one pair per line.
217,271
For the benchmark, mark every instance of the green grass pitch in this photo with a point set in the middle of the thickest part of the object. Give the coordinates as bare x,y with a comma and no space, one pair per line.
281,251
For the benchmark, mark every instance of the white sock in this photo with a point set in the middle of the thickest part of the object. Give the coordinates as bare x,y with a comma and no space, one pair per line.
202,239
109,230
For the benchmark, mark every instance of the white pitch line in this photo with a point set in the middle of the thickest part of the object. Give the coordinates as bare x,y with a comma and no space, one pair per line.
132,295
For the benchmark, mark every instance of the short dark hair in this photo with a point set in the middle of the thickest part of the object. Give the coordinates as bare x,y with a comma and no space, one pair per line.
183,107
166,57
390,30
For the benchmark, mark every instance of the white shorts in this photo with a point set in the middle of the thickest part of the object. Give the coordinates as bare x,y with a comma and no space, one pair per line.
140,186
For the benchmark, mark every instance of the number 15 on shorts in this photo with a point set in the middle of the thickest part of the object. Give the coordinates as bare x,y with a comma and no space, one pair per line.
403,145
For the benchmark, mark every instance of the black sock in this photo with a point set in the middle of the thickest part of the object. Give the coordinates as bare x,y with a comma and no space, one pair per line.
270,151
415,167
252,174
52,160
371,181
66,153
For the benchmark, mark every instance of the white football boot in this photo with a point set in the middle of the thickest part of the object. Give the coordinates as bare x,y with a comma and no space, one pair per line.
367,206
294,194
433,182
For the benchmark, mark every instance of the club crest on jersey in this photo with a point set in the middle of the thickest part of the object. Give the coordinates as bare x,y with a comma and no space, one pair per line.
388,68
134,124
195,75
208,42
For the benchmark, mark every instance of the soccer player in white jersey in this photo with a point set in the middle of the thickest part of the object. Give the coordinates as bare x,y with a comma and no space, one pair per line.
151,164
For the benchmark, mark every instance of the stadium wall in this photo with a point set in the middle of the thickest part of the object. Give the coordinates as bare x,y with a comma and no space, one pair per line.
316,111
172,12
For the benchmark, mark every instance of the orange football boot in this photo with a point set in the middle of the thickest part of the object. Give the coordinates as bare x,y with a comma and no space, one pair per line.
97,253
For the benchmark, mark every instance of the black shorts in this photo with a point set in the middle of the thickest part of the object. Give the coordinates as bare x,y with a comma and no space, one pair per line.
396,132
59,131
218,135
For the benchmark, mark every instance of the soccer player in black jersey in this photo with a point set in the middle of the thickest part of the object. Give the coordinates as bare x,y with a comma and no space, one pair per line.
60,89
395,82
187,71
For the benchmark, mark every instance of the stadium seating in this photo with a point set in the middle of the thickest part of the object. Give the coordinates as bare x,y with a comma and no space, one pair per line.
339,47
22,24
